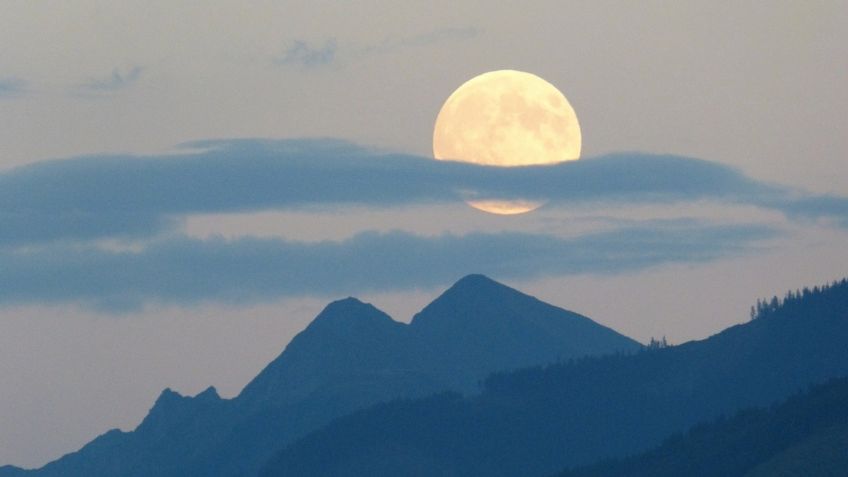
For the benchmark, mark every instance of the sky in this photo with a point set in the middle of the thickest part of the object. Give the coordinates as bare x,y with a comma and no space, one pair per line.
184,186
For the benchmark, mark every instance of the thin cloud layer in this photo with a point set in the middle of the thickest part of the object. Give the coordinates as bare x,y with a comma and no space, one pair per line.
117,81
185,271
139,197
301,53
816,207
11,87
308,55
423,39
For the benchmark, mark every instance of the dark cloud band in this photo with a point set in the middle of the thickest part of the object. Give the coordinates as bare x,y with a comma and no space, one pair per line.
183,270
131,196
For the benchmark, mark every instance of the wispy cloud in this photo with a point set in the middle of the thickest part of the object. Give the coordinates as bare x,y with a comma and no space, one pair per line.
12,87
303,54
185,271
440,35
130,196
118,80
816,207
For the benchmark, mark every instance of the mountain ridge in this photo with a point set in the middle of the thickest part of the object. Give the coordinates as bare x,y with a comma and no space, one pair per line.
540,420
350,356
480,319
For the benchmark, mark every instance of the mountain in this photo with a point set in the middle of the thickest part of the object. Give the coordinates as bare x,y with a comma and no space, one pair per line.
480,325
348,339
805,436
538,421
352,355
170,433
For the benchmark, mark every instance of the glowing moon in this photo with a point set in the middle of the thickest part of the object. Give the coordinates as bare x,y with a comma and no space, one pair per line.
507,118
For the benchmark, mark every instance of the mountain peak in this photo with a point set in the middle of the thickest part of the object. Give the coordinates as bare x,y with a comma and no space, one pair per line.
476,281
170,398
351,300
476,296
482,321
345,304
348,314
172,406
343,335
208,394
167,396
471,289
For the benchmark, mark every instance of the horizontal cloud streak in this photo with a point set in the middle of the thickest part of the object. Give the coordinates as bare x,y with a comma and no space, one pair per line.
310,55
184,270
11,87
423,39
816,207
302,54
117,81
132,196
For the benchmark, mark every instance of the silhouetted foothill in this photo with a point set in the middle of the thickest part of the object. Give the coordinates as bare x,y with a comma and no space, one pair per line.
805,436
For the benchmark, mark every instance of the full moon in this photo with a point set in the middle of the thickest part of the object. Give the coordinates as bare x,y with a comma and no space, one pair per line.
507,118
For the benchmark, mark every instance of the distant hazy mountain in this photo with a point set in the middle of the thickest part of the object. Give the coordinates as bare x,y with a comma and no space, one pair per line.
806,436
539,421
352,355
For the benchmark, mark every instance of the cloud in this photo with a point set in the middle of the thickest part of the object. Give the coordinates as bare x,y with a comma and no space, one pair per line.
117,81
423,39
54,213
185,271
300,53
827,207
11,87
141,196
309,55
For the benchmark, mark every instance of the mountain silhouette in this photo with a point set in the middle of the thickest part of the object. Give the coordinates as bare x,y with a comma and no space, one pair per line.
351,356
348,339
805,436
480,325
540,420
